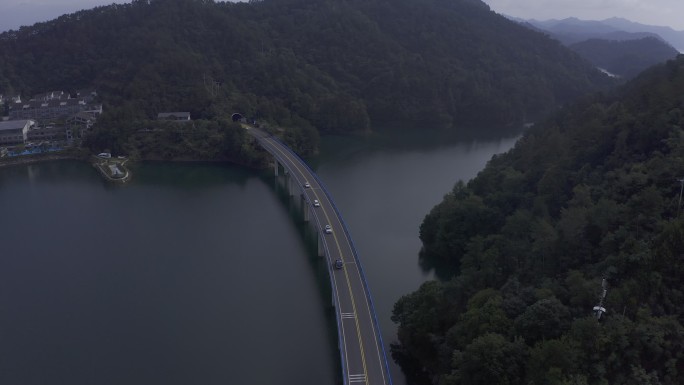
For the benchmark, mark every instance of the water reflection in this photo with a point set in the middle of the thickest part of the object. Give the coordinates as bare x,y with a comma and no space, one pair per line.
190,274
206,269
189,175
384,186
443,270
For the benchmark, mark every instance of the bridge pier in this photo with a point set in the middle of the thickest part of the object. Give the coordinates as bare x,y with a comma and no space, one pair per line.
356,364
290,185
305,208
321,248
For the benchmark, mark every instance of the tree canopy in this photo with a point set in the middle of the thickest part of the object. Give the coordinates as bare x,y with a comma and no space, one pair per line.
592,193
333,65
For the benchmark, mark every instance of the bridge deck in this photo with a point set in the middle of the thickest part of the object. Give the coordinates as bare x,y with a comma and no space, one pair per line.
362,352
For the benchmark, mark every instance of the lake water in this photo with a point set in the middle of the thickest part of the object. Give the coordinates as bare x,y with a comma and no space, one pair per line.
200,273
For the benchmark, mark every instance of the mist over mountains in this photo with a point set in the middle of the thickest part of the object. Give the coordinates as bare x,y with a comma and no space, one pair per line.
573,30
626,58
618,46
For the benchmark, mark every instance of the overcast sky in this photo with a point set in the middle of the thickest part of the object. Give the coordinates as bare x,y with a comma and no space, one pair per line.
15,13
653,12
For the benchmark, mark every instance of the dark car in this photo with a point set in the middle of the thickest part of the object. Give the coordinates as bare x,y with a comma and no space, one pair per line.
338,264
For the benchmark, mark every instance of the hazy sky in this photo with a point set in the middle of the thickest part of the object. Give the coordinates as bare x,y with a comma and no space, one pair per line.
15,13
653,12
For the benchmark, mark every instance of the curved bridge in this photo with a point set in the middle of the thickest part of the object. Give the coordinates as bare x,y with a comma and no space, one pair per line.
362,351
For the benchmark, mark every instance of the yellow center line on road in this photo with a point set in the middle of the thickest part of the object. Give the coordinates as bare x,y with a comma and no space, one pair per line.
351,296
363,353
346,275
344,335
375,332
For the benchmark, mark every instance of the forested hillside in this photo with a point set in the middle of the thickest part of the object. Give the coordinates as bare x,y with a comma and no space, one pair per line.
625,58
592,193
342,65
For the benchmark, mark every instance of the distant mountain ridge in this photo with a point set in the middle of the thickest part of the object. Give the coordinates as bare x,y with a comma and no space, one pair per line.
572,30
672,36
626,58
619,46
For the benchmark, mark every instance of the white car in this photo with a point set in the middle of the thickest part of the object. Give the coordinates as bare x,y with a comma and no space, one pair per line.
317,203
307,185
328,229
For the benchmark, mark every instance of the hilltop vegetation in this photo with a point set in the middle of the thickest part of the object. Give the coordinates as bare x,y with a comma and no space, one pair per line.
330,65
591,193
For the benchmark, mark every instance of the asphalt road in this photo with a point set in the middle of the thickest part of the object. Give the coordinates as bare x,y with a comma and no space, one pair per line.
362,353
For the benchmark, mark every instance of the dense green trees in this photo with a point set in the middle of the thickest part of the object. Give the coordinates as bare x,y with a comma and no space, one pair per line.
591,193
170,140
333,65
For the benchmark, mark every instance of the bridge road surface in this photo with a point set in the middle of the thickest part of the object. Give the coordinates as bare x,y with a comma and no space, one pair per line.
363,356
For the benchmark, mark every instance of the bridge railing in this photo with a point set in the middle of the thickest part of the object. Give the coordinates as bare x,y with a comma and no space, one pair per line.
356,256
340,342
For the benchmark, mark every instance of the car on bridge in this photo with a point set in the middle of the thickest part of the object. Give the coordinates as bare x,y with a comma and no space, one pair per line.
328,229
317,203
338,264
307,184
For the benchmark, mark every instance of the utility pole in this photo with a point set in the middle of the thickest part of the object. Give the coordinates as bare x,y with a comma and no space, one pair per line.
599,309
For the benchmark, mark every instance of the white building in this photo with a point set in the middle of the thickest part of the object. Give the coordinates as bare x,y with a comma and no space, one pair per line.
15,131
176,116
52,109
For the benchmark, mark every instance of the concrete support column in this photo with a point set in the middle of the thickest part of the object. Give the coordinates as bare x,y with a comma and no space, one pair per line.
321,248
305,209
275,166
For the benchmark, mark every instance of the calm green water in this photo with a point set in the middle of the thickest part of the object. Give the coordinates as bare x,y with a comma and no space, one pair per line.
384,187
201,273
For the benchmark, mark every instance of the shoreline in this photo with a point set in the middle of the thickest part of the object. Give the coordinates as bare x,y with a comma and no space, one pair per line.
101,164
29,159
